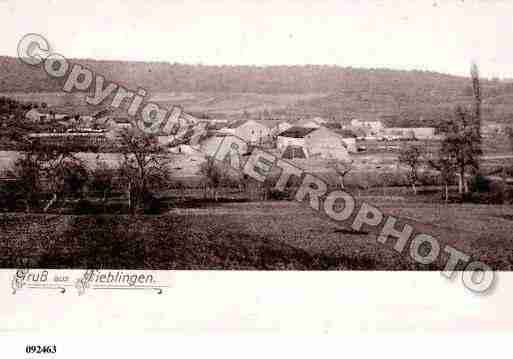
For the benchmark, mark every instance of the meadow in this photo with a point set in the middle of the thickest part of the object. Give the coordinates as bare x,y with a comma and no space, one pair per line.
218,104
271,235
245,234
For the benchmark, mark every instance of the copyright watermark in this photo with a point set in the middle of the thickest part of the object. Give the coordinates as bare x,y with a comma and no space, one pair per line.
342,208
34,50
338,205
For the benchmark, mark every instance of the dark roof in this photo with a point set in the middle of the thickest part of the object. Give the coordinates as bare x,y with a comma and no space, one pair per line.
266,123
345,133
102,113
216,125
333,125
297,132
122,120
237,123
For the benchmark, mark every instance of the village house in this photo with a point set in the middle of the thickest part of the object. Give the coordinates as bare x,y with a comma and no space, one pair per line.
210,145
36,115
69,139
294,136
292,152
491,129
254,132
371,128
398,133
117,123
33,115
280,127
349,138
327,144
424,133
409,133
309,123
217,125
321,142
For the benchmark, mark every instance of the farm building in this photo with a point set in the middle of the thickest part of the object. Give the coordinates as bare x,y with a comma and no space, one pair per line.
164,140
333,125
117,123
38,115
217,125
349,138
407,133
69,139
491,129
371,128
189,134
293,152
210,144
398,133
33,115
281,126
294,136
424,133
317,142
328,144
309,123
255,132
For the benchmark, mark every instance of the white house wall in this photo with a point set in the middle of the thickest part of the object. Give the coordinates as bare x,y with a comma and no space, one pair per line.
253,132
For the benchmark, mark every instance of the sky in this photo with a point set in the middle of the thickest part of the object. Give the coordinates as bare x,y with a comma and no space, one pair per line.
436,35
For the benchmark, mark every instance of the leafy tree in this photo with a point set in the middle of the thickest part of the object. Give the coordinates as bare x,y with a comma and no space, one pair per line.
461,147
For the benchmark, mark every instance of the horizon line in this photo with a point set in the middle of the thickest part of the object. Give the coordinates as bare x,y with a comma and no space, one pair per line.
355,67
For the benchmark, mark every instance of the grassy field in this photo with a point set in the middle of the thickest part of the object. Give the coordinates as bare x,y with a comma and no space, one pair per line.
253,235
213,104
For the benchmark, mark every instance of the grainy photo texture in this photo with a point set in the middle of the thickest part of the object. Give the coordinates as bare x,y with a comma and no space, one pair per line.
275,135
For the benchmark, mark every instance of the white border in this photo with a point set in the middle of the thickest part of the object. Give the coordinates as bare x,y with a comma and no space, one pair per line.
264,302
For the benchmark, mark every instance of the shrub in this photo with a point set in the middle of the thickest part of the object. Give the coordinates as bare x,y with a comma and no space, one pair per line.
9,196
277,195
152,205
84,206
480,183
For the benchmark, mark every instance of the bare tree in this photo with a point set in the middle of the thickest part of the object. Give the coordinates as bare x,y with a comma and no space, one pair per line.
341,169
57,170
509,134
63,173
213,174
411,156
477,100
26,170
445,166
101,179
144,162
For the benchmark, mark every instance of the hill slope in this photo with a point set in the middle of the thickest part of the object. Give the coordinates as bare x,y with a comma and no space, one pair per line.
417,96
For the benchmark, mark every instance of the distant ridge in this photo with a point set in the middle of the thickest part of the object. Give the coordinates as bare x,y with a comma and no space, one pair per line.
419,96
161,76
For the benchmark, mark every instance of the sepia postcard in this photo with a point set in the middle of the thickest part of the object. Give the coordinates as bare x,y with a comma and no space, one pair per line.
255,166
